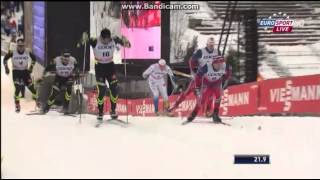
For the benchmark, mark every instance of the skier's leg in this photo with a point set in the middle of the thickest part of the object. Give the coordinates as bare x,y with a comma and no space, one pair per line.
164,94
155,94
28,82
17,85
113,92
67,97
55,90
113,88
217,92
101,88
200,101
208,106
17,81
23,90
183,95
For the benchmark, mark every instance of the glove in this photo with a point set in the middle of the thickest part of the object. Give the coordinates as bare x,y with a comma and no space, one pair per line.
175,86
144,76
126,42
7,70
76,73
30,70
197,91
85,37
39,81
193,75
173,79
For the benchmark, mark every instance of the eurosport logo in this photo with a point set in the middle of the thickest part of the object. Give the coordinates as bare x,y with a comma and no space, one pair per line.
279,23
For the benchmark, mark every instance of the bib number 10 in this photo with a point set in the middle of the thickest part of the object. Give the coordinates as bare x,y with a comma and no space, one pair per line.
105,54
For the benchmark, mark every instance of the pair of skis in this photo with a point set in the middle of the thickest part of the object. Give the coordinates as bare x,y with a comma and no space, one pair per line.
41,113
218,123
111,120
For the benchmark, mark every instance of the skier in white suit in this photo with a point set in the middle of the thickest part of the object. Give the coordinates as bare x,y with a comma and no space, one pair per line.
156,74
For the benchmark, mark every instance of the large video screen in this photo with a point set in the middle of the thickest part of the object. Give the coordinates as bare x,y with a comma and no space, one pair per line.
38,48
143,29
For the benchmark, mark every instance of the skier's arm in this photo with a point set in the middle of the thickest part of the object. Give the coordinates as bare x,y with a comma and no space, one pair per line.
171,75
50,67
147,72
226,76
200,74
6,58
122,41
228,73
193,62
76,69
5,61
33,61
192,65
93,42
84,39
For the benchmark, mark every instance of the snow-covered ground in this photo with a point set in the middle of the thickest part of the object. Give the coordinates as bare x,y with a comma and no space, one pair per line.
54,146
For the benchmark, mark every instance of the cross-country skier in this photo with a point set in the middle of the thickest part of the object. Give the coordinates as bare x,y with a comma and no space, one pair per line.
103,49
67,71
156,74
209,80
21,71
12,47
199,59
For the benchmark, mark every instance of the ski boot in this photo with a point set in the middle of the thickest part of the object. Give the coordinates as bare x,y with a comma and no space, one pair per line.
190,118
65,109
45,109
215,117
99,120
18,108
114,115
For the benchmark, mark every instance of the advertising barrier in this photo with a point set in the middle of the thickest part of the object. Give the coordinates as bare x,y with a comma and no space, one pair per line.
296,95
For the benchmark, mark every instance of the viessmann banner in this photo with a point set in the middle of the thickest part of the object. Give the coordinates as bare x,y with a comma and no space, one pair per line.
292,95
240,100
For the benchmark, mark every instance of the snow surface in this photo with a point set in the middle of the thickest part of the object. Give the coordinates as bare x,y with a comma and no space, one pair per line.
54,146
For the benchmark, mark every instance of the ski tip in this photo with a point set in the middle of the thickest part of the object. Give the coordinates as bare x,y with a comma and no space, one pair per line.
222,123
185,123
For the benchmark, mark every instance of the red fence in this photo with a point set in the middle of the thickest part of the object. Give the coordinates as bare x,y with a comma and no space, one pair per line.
292,95
239,100
284,95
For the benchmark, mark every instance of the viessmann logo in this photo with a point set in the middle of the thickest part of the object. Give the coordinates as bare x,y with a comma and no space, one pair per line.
279,23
